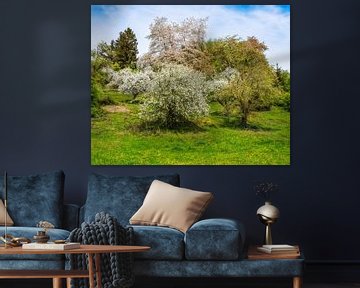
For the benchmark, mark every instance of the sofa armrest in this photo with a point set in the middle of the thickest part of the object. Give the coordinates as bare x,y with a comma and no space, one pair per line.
215,239
71,216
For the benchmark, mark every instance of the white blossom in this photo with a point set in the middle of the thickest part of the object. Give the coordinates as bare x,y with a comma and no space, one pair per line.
178,95
129,81
172,42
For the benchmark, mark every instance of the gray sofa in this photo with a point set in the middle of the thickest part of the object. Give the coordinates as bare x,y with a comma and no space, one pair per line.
32,199
210,248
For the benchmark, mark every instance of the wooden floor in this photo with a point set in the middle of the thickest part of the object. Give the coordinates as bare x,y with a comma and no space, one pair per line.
339,285
45,283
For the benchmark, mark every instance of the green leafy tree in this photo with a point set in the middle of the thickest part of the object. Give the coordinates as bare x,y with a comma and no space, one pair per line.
125,50
283,84
252,86
98,64
105,52
99,80
247,91
282,79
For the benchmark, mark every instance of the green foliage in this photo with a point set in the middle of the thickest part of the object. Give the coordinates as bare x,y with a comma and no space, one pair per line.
98,80
282,79
96,110
98,63
99,97
283,84
284,101
232,52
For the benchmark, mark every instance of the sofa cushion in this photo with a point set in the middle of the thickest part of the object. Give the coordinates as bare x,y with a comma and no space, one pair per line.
29,232
214,239
169,206
35,198
9,221
165,243
120,196
39,264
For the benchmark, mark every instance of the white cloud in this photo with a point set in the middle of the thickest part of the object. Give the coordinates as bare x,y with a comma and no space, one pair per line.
268,23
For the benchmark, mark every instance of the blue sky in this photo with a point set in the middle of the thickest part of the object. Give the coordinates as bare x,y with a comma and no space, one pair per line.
269,23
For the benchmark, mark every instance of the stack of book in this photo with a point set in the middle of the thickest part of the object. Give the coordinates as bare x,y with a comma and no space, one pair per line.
279,249
51,246
274,252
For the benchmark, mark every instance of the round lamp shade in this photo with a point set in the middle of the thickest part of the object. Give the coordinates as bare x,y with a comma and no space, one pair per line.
268,212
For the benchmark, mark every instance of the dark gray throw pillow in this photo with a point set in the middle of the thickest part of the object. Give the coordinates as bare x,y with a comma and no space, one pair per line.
120,196
35,198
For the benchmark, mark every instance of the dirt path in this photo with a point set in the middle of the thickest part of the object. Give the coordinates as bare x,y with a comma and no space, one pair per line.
116,109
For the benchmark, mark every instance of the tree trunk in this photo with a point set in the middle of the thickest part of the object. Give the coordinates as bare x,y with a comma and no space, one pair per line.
244,118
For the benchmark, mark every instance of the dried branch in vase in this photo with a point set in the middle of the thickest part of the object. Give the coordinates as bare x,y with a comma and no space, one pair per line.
265,189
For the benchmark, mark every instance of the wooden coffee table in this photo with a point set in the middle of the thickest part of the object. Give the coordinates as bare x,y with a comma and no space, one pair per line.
93,251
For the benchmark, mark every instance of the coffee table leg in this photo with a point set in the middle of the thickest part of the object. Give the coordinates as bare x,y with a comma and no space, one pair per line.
98,270
68,282
57,283
297,282
91,270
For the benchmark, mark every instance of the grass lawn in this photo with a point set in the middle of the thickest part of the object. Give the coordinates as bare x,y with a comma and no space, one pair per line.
117,140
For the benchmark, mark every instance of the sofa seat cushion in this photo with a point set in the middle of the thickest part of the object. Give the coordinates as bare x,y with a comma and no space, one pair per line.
214,239
29,232
166,243
120,196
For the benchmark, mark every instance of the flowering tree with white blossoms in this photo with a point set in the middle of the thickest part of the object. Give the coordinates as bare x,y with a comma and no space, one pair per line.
177,43
129,81
178,95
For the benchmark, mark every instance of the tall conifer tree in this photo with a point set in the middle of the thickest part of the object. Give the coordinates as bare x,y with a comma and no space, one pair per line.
125,49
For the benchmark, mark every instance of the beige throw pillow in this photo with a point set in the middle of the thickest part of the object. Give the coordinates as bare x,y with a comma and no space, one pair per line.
9,221
170,206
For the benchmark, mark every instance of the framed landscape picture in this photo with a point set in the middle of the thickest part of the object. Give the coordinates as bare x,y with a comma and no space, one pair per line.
190,85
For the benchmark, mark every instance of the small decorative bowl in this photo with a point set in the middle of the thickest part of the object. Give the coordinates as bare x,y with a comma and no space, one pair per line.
41,237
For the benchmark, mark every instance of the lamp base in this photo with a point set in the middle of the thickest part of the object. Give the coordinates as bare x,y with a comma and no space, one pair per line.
268,237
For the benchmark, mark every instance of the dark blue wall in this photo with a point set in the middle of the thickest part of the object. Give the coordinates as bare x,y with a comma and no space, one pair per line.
45,121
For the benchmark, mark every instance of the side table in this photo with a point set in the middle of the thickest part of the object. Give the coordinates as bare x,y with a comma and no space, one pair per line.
288,259
93,251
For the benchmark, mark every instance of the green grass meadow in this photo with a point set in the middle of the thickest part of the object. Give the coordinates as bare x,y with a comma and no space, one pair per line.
118,139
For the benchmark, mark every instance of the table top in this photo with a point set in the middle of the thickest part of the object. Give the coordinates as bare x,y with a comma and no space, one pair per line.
91,249
253,254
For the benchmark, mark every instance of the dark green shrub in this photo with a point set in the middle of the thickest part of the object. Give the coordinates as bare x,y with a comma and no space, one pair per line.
284,101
